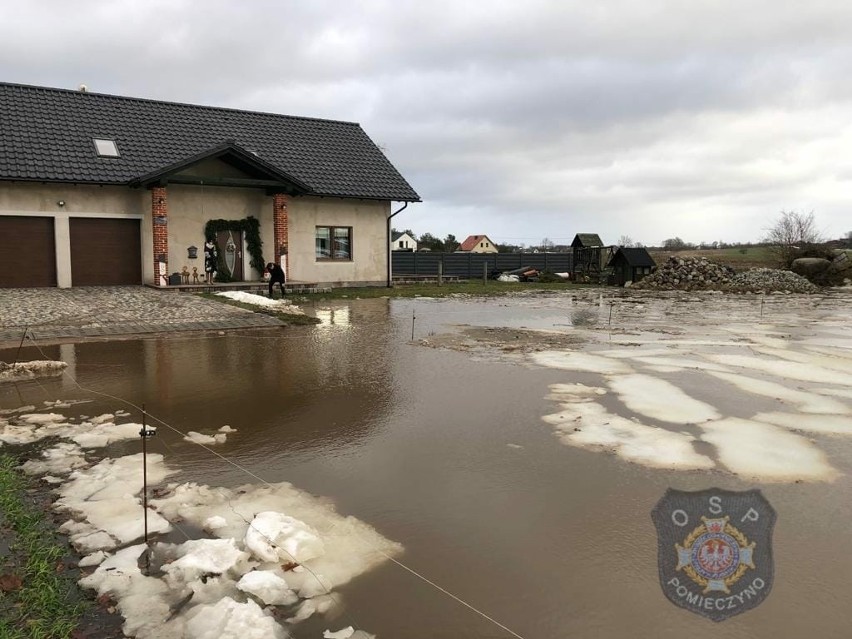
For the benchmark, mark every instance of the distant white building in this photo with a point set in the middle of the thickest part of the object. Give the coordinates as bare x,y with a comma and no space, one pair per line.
403,242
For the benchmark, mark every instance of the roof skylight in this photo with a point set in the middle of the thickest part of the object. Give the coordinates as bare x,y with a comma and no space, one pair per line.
106,148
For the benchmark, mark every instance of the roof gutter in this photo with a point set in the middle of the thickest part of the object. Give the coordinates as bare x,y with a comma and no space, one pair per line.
388,243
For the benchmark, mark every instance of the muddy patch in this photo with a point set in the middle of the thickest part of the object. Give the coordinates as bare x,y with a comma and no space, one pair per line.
501,341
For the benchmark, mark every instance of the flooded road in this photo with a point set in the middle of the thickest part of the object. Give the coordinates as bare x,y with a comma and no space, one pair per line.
451,446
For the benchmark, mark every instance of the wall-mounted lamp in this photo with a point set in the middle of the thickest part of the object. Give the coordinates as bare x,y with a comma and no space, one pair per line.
60,203
192,252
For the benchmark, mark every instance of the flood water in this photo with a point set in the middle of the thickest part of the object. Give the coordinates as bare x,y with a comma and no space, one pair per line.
445,452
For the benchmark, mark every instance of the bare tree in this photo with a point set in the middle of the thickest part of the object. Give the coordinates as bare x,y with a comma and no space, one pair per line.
791,232
626,241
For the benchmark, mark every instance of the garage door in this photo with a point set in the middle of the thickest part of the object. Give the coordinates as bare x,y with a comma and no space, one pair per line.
31,258
105,252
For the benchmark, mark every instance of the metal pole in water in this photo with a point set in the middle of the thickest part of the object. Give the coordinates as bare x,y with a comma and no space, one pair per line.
23,337
145,433
412,324
611,304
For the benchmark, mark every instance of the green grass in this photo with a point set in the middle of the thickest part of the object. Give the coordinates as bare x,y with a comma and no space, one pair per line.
431,289
46,605
286,318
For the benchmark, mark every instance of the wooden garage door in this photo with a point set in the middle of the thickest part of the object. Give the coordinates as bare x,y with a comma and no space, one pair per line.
105,252
28,257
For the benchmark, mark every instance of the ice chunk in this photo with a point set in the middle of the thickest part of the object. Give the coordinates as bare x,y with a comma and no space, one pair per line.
835,424
199,557
227,429
574,361
103,433
805,401
274,536
590,425
766,452
43,418
214,523
198,438
30,370
93,560
270,588
61,460
785,369
345,633
228,619
661,400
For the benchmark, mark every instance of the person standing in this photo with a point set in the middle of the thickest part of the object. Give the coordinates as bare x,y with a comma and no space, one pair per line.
210,260
276,276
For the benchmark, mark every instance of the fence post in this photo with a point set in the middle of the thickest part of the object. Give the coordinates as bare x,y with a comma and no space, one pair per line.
485,272
545,260
441,271
415,262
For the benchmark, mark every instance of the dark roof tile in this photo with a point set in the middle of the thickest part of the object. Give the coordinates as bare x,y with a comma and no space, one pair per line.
57,126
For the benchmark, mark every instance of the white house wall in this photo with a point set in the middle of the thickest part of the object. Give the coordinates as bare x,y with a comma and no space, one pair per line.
190,207
368,220
37,200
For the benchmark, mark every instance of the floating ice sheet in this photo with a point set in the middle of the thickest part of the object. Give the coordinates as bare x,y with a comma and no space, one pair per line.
766,452
803,400
590,425
784,369
834,424
661,400
576,361
21,371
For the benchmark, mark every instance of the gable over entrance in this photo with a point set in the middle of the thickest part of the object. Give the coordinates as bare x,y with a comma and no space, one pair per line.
167,169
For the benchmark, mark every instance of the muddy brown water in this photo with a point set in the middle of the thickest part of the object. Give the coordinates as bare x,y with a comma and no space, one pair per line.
445,452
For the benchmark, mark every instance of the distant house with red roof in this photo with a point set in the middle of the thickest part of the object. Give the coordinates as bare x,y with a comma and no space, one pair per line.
477,244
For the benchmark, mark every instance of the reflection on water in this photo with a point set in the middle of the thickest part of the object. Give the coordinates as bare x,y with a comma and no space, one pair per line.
449,457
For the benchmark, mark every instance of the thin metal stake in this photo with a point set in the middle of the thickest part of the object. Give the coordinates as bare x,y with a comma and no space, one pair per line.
145,433
611,304
762,302
23,337
412,324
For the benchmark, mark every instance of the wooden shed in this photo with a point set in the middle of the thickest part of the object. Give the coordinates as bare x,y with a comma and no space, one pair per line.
630,265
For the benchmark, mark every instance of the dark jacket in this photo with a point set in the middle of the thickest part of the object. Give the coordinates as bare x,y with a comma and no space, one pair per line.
276,273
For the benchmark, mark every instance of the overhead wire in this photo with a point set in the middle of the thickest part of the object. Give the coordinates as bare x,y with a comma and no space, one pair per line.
269,484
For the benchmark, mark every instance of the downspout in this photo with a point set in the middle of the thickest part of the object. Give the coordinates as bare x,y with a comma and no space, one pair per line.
388,243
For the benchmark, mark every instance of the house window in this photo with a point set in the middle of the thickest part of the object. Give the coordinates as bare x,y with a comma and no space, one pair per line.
334,243
400,244
106,148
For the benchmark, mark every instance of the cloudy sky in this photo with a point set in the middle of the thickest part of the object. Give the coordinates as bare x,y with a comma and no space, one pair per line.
695,118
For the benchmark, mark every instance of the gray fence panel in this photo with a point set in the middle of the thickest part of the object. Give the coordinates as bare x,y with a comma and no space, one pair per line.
470,265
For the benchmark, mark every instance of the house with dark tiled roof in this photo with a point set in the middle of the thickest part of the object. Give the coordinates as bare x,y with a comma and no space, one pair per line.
477,244
100,189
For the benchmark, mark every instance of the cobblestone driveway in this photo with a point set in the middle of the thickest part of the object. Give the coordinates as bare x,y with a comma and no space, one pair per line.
94,311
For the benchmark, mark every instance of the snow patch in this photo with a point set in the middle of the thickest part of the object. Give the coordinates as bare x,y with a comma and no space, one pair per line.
805,401
833,424
282,305
206,440
590,425
661,400
765,452
574,361
267,586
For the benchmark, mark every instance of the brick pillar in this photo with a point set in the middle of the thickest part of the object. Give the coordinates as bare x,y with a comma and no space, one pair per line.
280,222
160,221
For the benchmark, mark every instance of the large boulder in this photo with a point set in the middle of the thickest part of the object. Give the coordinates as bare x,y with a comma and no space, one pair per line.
810,267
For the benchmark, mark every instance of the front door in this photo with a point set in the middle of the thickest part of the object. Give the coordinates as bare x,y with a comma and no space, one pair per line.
231,245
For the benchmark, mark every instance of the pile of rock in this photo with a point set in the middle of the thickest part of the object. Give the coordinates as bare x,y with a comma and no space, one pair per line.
768,280
701,274
689,274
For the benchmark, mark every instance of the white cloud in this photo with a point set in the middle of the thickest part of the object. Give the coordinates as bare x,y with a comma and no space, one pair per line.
520,120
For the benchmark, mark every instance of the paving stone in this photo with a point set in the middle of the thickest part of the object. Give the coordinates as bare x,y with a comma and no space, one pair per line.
53,313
